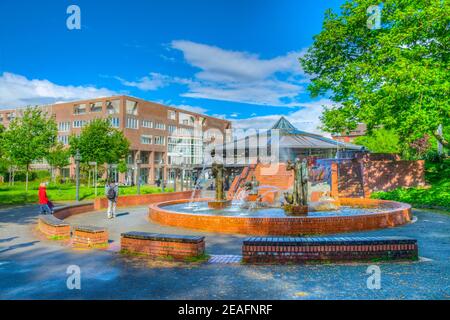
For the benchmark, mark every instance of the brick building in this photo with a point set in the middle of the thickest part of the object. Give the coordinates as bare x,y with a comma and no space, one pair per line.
350,137
161,137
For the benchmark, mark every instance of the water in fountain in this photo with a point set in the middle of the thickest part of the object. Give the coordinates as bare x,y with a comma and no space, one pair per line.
192,204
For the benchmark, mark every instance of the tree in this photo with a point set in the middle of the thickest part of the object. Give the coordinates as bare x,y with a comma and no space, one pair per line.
29,138
100,142
58,157
380,141
395,76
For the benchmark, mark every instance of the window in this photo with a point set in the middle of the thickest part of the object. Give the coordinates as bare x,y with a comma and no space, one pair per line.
132,123
131,107
172,115
96,106
172,129
78,123
160,126
11,116
147,124
186,119
160,140
79,108
63,139
64,126
113,107
146,139
115,122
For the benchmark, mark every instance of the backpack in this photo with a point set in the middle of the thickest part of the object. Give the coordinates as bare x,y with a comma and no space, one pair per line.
111,194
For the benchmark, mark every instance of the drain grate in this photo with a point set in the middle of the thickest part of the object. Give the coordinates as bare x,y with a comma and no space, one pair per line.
224,259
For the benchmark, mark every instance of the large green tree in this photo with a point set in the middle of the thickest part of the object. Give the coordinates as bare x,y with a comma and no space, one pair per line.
396,76
29,137
100,142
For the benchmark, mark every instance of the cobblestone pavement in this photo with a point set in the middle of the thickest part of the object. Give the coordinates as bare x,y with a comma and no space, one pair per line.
32,267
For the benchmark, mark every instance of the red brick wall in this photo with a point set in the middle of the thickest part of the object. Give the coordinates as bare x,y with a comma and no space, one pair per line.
84,239
138,200
363,176
65,212
341,253
395,214
177,250
54,231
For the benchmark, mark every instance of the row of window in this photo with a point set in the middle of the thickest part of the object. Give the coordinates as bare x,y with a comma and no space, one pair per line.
132,123
158,140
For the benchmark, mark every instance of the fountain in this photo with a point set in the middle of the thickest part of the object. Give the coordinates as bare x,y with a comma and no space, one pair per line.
220,201
253,211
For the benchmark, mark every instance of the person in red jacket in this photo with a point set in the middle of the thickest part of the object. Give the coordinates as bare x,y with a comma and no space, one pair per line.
43,199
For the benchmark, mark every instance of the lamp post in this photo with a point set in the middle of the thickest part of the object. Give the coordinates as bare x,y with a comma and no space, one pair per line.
138,175
77,159
161,163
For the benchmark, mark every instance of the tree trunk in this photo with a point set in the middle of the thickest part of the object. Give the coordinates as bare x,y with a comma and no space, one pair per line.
26,179
441,139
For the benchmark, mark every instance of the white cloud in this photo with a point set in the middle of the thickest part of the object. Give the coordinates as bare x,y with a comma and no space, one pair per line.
306,118
190,108
241,76
148,83
19,91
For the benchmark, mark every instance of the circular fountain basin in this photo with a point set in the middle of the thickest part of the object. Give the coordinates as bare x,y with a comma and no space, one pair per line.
354,215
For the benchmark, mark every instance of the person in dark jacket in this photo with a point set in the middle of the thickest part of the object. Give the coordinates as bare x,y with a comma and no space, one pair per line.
112,194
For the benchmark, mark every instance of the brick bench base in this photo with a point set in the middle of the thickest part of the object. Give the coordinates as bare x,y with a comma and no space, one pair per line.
162,245
315,250
89,237
54,228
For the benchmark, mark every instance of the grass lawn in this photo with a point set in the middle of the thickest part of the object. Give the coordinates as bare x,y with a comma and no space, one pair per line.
435,196
60,192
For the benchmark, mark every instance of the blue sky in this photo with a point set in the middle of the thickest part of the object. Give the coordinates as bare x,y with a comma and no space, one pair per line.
234,59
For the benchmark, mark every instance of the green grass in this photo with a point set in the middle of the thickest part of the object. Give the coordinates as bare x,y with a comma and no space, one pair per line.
436,195
12,195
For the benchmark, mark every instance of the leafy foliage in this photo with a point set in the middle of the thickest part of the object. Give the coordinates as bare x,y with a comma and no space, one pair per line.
29,137
380,141
100,142
395,76
59,156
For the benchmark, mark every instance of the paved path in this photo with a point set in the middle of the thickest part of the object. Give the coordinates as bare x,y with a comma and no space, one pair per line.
34,268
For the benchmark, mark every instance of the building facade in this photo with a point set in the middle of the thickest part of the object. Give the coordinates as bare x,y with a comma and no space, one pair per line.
164,141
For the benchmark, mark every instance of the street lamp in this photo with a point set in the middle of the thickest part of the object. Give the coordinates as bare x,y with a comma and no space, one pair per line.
138,169
161,163
77,159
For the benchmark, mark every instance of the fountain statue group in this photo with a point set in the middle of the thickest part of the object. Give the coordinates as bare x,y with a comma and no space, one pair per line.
297,201
220,200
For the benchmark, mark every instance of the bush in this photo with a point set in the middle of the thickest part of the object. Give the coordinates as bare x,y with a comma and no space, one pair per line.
42,174
21,176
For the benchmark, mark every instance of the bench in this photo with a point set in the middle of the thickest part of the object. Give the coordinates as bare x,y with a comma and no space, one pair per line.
54,228
162,245
327,249
89,237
